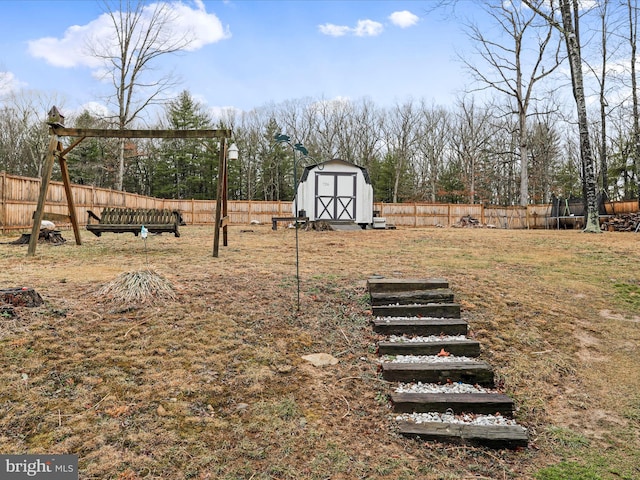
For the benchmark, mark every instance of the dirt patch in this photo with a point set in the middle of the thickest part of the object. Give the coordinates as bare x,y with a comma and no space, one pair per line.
609,315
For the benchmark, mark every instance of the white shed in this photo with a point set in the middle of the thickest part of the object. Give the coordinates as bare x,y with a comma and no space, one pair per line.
335,190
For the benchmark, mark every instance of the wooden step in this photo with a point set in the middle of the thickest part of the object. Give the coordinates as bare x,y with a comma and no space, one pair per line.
484,403
435,295
466,348
477,372
405,284
447,310
420,326
494,436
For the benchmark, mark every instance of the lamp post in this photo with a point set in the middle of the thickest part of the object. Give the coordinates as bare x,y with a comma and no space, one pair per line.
297,147
221,220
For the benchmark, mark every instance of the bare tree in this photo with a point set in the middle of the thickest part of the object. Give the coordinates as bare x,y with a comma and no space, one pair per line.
632,10
432,144
142,34
402,130
24,136
511,72
569,26
471,132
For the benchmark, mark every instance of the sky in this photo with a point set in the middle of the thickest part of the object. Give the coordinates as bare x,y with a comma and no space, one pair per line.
248,53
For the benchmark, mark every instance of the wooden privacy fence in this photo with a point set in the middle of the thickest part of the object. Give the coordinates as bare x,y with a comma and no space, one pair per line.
19,197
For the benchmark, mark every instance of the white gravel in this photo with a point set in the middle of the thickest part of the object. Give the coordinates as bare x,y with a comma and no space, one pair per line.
390,319
430,338
466,418
425,359
420,387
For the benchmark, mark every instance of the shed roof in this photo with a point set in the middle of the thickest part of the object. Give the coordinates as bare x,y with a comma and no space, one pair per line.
320,166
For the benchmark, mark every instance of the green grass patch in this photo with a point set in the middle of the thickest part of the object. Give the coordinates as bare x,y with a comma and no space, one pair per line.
568,471
628,294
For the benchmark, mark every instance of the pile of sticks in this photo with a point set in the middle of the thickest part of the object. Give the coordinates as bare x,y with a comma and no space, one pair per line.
467,221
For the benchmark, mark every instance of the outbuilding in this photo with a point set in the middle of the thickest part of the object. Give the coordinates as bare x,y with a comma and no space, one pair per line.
335,191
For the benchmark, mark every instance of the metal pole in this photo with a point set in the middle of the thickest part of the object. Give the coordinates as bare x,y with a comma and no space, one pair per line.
295,214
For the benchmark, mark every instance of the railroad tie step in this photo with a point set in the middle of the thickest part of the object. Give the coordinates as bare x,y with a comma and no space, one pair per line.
378,285
473,372
477,403
458,347
436,295
423,326
443,310
494,436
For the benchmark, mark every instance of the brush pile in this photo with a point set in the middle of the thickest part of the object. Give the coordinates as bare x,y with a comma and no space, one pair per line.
142,287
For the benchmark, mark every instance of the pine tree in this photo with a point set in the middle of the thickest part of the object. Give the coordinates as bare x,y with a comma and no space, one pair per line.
186,168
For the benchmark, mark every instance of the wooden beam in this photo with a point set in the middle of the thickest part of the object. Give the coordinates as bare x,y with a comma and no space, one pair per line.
476,372
42,197
64,170
379,285
216,232
113,133
225,194
495,436
71,147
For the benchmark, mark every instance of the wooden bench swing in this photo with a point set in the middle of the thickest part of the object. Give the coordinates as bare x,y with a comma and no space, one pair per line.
131,220
121,220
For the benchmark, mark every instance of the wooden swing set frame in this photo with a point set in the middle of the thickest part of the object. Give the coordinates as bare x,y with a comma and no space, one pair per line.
57,150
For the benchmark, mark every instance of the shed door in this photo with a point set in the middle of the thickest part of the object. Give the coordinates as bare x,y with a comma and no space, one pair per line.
335,196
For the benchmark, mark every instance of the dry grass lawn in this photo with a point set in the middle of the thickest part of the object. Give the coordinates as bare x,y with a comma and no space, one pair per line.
208,382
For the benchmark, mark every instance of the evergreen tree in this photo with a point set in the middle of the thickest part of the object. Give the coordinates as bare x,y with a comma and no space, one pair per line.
186,168
94,160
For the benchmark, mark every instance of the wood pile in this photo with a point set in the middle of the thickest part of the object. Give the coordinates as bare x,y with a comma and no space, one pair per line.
469,222
623,222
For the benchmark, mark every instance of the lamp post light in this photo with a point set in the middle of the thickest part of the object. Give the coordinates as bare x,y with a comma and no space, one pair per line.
232,152
297,147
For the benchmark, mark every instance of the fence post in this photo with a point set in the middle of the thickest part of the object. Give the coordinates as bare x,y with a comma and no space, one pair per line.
3,212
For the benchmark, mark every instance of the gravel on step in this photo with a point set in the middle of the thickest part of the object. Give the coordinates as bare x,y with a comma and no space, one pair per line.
420,387
425,359
392,319
448,417
430,338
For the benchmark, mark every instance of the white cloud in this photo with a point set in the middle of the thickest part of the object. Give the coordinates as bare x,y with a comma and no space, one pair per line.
368,28
364,28
334,30
224,113
403,19
95,108
9,83
70,50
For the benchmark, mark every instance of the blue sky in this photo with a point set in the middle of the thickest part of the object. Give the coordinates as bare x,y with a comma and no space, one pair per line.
252,53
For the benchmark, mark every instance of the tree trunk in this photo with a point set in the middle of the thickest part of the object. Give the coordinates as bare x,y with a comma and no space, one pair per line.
634,94
575,61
